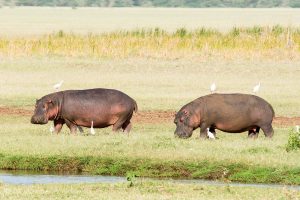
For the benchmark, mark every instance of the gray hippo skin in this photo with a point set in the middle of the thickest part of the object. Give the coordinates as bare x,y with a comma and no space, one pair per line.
75,108
232,113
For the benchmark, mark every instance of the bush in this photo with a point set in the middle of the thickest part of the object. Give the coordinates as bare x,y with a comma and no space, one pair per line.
293,141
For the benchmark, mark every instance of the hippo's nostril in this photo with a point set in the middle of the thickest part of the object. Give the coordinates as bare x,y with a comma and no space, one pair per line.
38,120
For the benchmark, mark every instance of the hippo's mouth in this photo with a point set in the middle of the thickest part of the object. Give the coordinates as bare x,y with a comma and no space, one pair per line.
35,120
183,132
183,136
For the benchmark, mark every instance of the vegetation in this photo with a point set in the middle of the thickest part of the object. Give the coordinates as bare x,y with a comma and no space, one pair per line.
150,151
162,70
156,3
142,190
293,141
156,84
246,42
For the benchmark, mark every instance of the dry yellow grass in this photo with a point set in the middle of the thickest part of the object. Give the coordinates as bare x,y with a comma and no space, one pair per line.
280,43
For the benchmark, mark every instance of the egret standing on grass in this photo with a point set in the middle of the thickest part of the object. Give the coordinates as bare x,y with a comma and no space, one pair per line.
92,131
297,128
58,85
256,88
51,129
210,134
213,87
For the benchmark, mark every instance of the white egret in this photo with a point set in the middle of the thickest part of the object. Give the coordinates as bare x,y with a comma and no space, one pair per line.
297,128
210,134
58,85
256,88
213,87
51,129
92,131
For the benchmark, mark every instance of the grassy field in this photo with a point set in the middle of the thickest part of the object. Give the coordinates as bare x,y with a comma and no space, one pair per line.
24,21
142,190
155,84
151,150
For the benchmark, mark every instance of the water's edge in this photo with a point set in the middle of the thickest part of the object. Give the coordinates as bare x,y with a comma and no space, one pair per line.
21,177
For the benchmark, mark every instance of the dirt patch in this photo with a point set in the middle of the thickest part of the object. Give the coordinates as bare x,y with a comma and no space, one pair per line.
168,117
14,111
286,121
152,117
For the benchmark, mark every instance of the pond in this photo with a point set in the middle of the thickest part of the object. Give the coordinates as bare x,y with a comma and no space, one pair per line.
30,177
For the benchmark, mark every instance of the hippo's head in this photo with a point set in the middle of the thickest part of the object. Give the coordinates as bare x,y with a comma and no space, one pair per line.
44,110
184,124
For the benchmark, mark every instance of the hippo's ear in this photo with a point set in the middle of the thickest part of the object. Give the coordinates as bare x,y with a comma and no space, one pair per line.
185,112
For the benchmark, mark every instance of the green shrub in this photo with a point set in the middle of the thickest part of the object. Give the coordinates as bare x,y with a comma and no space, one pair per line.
293,141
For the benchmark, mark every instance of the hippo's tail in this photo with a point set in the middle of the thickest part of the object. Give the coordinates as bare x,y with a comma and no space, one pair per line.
135,106
273,112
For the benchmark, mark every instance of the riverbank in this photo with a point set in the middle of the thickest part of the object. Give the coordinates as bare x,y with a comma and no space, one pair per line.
142,189
204,169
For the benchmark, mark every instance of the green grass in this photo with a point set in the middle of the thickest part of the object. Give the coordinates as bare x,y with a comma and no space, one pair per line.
151,150
142,190
155,84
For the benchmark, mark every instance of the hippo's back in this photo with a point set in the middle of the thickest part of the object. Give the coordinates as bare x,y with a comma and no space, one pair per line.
96,101
237,101
97,94
238,108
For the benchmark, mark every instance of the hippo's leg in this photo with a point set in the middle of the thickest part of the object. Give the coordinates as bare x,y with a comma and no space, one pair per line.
268,130
257,130
72,127
127,126
58,124
80,129
252,134
203,131
124,123
118,125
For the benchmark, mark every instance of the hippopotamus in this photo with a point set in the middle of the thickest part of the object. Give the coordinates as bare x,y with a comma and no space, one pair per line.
232,113
76,108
